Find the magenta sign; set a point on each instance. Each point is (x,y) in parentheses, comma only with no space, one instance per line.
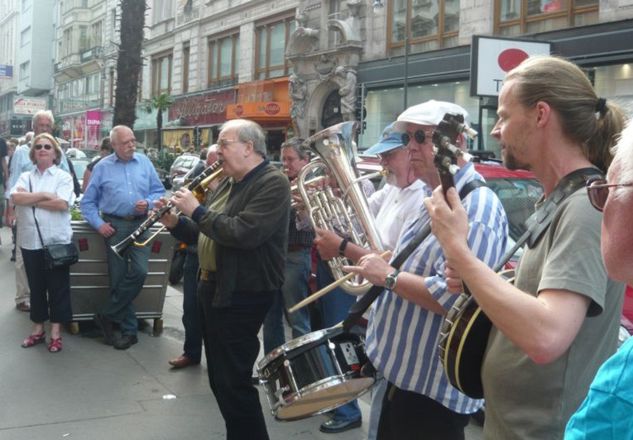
(209,108)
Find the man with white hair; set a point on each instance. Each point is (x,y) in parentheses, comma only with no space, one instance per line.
(404,324)
(242,236)
(606,412)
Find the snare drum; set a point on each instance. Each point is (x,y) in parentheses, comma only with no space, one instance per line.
(314,373)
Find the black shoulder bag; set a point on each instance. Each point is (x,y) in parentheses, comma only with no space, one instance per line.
(56,255)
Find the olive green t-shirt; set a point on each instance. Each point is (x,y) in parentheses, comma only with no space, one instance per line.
(206,245)
(525,400)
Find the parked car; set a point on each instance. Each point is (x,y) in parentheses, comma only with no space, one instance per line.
(79,164)
(181,166)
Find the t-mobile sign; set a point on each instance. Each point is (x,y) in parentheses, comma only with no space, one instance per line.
(492,58)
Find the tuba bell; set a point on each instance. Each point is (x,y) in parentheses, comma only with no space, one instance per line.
(343,210)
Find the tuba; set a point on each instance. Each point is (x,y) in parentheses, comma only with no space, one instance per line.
(343,210)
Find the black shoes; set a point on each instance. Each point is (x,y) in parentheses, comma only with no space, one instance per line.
(334,426)
(125,342)
(105,324)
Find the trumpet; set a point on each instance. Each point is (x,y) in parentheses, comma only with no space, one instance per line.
(212,172)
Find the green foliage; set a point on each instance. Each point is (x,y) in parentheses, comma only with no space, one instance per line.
(164,159)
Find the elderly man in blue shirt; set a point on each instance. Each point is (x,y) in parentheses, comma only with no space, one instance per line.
(122,189)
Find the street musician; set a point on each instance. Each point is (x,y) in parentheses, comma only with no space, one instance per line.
(242,236)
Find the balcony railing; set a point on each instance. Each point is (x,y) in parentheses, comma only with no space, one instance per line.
(91,54)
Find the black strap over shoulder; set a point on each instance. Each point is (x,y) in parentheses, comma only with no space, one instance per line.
(538,222)
(359,307)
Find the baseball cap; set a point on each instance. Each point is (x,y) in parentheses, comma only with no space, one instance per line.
(428,113)
(389,140)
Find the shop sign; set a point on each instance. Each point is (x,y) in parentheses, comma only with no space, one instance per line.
(19,126)
(6,71)
(272,110)
(492,58)
(28,106)
(209,108)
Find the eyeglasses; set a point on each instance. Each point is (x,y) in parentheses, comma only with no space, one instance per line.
(418,135)
(40,146)
(223,143)
(598,191)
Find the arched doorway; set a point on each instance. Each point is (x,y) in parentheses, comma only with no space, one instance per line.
(331,114)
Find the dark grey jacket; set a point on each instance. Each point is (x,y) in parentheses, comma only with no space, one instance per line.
(251,233)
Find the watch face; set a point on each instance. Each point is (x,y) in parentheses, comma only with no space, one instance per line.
(390,281)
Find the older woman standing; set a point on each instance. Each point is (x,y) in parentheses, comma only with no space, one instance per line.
(45,195)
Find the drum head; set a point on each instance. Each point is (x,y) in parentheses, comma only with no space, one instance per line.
(324,397)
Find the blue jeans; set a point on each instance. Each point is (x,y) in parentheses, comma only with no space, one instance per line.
(190,310)
(294,289)
(127,276)
(334,309)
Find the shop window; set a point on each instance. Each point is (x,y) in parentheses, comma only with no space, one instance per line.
(517,17)
(271,48)
(223,60)
(430,24)
(161,74)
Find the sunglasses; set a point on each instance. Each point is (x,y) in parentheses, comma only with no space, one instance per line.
(418,135)
(40,146)
(598,191)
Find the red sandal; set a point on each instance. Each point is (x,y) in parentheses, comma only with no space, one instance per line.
(55,345)
(34,340)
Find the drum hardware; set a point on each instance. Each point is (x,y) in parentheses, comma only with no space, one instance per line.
(314,373)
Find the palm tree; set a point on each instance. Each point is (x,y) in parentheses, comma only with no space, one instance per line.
(161,103)
(129,62)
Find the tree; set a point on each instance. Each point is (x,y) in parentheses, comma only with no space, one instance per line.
(161,103)
(129,62)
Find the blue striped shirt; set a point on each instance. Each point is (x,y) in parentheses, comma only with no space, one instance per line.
(402,337)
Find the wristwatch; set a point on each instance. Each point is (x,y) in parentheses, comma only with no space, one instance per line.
(392,279)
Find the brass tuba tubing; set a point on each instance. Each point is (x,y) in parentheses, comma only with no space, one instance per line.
(213,171)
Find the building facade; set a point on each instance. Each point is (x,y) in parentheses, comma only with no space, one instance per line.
(26,36)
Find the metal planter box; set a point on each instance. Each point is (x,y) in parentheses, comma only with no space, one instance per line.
(89,283)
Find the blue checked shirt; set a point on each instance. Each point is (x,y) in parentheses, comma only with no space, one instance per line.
(402,337)
(115,186)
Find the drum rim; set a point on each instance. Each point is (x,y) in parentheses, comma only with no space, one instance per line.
(323,384)
(295,343)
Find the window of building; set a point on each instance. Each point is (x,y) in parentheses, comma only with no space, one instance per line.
(97,33)
(517,17)
(223,62)
(271,48)
(68,34)
(162,10)
(25,37)
(429,24)
(84,42)
(185,67)
(383,104)
(25,70)
(161,74)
